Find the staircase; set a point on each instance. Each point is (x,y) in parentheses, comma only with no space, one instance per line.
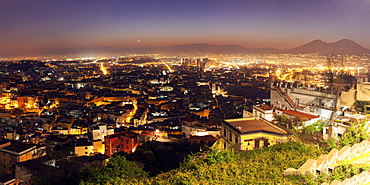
(287,98)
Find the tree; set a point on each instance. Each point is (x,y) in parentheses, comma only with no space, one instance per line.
(360,105)
(117,169)
(354,134)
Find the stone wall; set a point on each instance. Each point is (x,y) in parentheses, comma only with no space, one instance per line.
(347,99)
(363,92)
(362,178)
(326,162)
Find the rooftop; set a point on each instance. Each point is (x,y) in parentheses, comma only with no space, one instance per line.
(245,125)
(83,142)
(301,115)
(18,147)
(126,133)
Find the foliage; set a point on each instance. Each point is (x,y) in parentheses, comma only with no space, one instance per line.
(118,170)
(286,122)
(316,127)
(354,134)
(340,173)
(262,166)
(360,105)
(212,156)
(60,151)
(160,157)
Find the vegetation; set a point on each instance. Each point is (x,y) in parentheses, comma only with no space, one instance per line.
(316,127)
(263,166)
(354,134)
(117,171)
(286,122)
(311,134)
(156,157)
(340,173)
(360,105)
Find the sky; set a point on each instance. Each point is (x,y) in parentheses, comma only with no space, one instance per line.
(37,26)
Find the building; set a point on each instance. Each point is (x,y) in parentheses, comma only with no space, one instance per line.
(125,141)
(251,133)
(264,111)
(99,131)
(306,119)
(26,170)
(84,147)
(9,180)
(203,140)
(316,101)
(13,152)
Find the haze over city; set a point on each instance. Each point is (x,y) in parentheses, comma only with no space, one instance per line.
(39,27)
(184,92)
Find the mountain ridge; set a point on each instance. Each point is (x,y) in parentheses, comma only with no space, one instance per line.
(340,47)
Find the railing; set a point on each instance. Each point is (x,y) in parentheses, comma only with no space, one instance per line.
(287,98)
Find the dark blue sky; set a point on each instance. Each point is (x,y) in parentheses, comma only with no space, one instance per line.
(34,26)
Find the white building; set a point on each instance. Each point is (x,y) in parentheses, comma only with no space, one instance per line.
(99,131)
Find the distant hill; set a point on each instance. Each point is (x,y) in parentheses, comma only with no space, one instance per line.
(198,48)
(341,47)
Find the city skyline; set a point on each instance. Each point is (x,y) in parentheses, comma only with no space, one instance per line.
(31,28)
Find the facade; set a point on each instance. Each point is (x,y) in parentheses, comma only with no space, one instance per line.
(307,119)
(84,147)
(263,111)
(12,152)
(311,101)
(24,171)
(208,139)
(251,133)
(9,180)
(99,131)
(125,141)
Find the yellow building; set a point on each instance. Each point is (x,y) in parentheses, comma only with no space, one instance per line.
(78,130)
(12,152)
(251,133)
(84,147)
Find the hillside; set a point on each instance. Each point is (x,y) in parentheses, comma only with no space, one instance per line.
(264,166)
(341,47)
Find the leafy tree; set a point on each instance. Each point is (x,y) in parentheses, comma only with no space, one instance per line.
(354,134)
(315,127)
(118,169)
(360,105)
(262,166)
(340,173)
(284,121)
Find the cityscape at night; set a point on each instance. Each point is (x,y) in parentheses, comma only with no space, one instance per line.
(184,92)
